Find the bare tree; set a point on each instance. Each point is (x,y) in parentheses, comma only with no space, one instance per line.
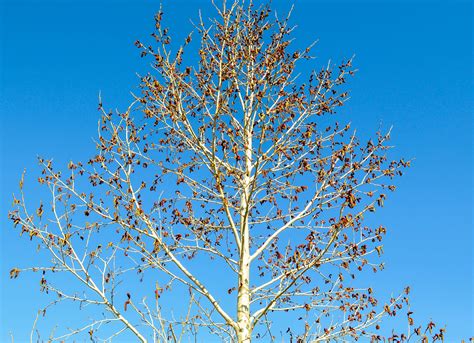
(226,185)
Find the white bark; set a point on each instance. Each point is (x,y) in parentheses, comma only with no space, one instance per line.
(244,333)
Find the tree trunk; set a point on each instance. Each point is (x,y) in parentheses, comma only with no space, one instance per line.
(244,332)
(244,326)
(243,303)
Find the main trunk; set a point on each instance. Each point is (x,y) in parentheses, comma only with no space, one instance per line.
(244,333)
(243,300)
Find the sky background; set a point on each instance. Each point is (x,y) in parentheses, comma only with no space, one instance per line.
(415,73)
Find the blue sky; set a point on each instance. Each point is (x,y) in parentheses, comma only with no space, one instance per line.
(415,73)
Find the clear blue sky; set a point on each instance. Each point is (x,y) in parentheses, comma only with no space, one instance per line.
(415,72)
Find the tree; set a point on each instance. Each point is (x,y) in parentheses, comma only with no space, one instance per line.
(227,162)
